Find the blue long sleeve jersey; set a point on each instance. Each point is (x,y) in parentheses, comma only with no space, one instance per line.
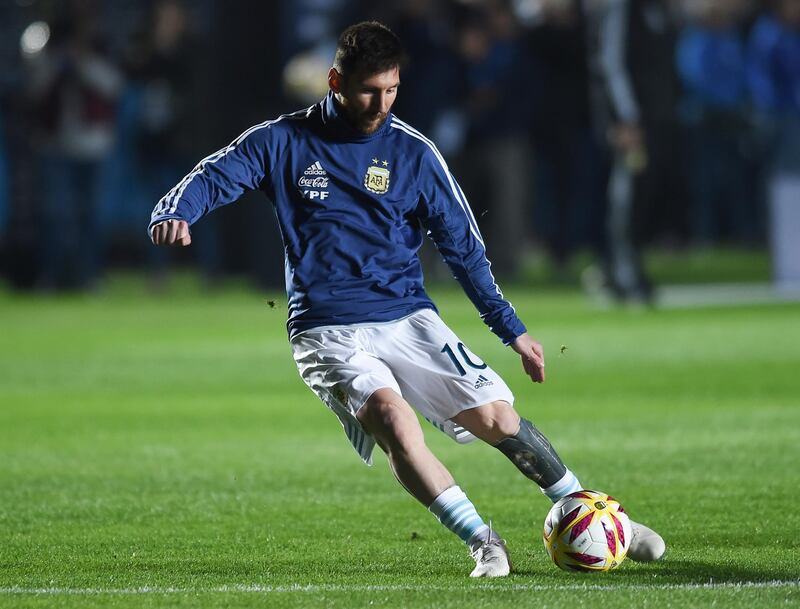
(352,209)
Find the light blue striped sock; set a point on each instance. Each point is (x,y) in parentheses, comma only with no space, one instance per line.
(455,511)
(568,484)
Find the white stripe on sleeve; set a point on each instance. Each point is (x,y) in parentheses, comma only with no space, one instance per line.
(168,204)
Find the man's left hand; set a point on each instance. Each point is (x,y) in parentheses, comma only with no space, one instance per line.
(532,356)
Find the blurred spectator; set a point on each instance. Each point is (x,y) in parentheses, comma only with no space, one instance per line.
(74,86)
(493,167)
(632,48)
(567,179)
(4,187)
(307,24)
(774,78)
(431,73)
(711,64)
(166,84)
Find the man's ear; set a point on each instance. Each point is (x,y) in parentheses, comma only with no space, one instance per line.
(334,80)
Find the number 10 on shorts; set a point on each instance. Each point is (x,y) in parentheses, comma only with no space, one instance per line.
(462,350)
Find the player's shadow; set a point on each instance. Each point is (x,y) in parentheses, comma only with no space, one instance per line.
(702,572)
(677,571)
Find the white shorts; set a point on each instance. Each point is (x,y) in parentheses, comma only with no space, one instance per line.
(417,356)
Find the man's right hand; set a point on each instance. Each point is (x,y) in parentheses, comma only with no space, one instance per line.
(172,232)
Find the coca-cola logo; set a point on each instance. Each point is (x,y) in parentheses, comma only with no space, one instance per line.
(313,182)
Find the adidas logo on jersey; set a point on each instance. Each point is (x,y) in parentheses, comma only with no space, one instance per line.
(315,170)
(482,382)
(314,177)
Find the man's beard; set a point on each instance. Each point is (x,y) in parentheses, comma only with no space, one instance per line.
(367,122)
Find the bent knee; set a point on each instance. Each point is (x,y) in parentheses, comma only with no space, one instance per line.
(500,417)
(491,422)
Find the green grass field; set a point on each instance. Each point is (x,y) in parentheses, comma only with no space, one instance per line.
(160,452)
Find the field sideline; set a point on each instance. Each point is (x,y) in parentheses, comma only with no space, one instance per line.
(163,452)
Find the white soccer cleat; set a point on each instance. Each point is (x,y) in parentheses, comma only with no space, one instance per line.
(646,544)
(491,558)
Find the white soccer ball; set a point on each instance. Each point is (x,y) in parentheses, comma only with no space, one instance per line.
(587,531)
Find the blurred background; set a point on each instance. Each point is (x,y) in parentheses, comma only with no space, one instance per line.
(592,137)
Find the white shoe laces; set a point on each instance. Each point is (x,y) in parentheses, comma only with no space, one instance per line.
(491,549)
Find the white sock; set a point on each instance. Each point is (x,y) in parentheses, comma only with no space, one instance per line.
(568,484)
(456,512)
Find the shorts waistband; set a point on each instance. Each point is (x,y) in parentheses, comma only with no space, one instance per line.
(366,324)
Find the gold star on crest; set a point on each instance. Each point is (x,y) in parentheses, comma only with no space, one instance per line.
(385,163)
(375,161)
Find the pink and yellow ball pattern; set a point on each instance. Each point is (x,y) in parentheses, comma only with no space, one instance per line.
(587,531)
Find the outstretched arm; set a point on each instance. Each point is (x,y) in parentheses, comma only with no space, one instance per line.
(444,210)
(217,180)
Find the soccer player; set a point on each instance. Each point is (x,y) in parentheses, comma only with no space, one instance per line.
(354,189)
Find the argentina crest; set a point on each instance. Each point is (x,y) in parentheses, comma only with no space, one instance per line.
(377,177)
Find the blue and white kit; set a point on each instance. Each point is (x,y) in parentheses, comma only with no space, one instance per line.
(353,210)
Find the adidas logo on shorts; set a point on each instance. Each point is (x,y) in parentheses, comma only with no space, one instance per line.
(482,382)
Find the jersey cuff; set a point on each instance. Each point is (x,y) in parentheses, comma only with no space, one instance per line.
(510,333)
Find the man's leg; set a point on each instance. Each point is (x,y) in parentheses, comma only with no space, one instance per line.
(499,424)
(392,422)
(394,425)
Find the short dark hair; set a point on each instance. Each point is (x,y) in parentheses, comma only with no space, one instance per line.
(368,47)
